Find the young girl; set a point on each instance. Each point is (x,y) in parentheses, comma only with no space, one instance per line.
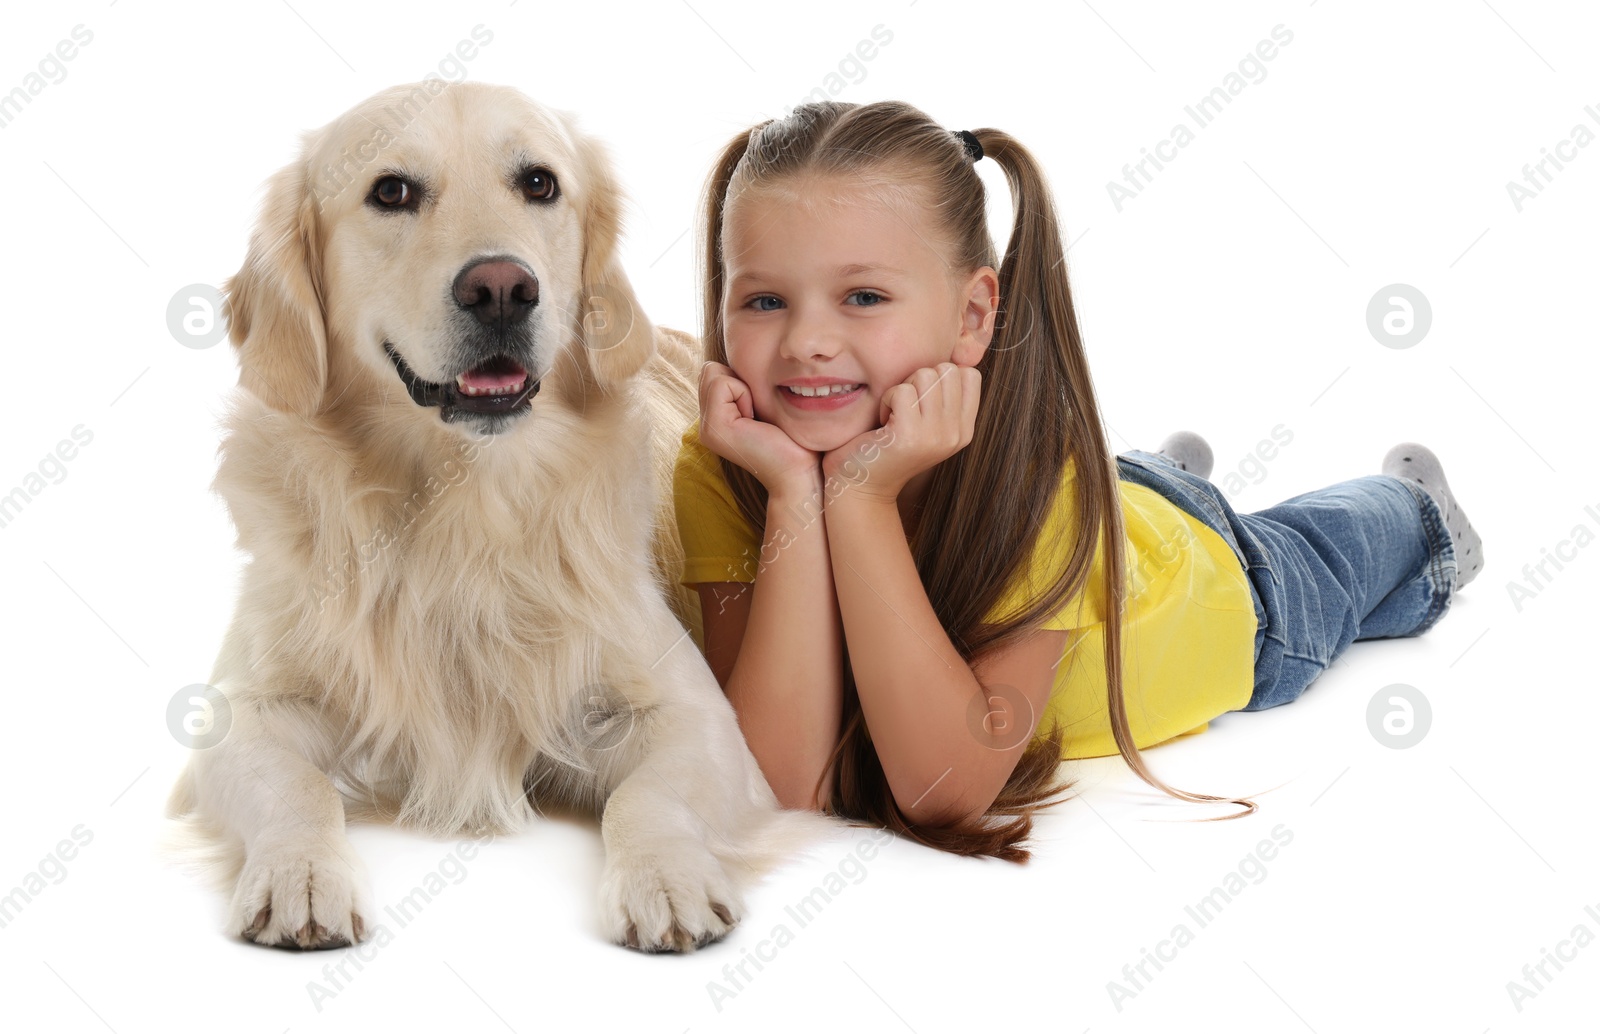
(896,501)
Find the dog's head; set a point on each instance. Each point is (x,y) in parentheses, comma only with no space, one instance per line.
(447,242)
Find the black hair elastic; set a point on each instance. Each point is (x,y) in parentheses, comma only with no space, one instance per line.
(970,142)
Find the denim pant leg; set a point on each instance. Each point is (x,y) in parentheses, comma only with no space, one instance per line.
(1367,558)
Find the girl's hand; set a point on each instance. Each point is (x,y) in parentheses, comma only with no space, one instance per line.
(728,427)
(929,418)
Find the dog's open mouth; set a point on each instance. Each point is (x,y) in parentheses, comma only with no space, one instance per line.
(499,384)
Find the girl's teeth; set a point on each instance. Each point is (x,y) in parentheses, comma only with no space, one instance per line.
(832,389)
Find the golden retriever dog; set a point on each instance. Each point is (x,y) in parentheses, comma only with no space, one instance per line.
(450,467)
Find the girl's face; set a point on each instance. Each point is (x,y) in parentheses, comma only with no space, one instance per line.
(832,284)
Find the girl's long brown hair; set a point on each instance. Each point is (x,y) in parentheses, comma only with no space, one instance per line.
(985,505)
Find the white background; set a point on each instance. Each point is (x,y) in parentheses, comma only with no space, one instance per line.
(1229,296)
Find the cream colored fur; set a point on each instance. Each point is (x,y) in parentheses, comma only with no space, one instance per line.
(434,620)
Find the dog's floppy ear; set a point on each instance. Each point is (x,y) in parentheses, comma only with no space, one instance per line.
(274,303)
(616,334)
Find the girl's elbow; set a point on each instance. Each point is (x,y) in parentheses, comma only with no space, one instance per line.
(943,799)
(936,814)
(929,807)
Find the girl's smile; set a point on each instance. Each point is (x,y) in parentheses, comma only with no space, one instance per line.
(824,394)
(836,292)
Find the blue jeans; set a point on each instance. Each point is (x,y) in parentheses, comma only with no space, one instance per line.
(1368,558)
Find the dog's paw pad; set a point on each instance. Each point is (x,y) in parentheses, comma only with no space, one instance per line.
(257,924)
(301,898)
(676,900)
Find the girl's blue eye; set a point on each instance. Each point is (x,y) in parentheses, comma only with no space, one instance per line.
(868,297)
(759,303)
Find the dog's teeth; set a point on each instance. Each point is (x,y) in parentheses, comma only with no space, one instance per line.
(467,389)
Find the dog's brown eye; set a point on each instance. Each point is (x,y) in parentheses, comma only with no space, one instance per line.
(392,192)
(539,185)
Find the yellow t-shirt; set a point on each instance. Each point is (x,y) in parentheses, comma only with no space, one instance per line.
(1188,625)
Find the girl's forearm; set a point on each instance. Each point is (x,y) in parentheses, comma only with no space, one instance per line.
(787,686)
(915,688)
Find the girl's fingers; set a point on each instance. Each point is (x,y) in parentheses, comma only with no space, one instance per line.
(971,390)
(950,398)
(900,400)
(941,402)
(710,372)
(724,398)
(719,388)
(710,390)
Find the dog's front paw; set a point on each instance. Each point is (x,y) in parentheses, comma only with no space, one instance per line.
(304,895)
(676,897)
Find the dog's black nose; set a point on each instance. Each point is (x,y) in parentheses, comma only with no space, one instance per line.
(497,291)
